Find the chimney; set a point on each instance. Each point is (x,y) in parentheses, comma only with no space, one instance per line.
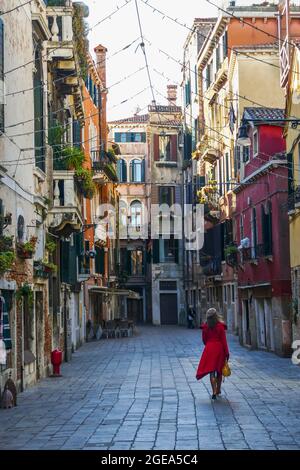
(101,63)
(172,94)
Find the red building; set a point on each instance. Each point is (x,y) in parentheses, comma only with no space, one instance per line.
(262,233)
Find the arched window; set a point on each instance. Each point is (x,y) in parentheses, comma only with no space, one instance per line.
(136,214)
(137,171)
(122,171)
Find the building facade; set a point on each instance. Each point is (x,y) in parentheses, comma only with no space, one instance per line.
(262,236)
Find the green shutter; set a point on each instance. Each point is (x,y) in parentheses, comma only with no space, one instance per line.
(155,251)
(128,262)
(99,261)
(64,261)
(176,244)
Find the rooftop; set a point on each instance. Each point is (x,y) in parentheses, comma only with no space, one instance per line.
(134,119)
(261,114)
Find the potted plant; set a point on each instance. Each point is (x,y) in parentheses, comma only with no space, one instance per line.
(231,255)
(25,291)
(6,243)
(7,259)
(85,182)
(74,158)
(26,250)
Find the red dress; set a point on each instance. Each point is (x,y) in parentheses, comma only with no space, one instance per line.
(215,352)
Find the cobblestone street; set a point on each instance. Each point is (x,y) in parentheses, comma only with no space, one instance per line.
(141,393)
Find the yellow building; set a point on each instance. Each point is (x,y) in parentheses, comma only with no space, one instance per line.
(293,148)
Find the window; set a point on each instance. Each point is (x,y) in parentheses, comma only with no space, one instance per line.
(39,138)
(127,137)
(168,285)
(225,45)
(1,76)
(218,59)
(168,249)
(165,147)
(167,195)
(228,176)
(225,294)
(266,224)
(242,227)
(232,293)
(137,171)
(122,171)
(137,265)
(136,215)
(255,143)
(253,233)
(208,75)
(245,153)
(165,250)
(188,93)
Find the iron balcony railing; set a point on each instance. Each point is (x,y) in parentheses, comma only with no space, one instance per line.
(293,198)
(261,250)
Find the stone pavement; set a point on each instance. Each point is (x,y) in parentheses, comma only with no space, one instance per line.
(141,393)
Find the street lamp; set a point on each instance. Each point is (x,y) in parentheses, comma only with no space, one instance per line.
(243,137)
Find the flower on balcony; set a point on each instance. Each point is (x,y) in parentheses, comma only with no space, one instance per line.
(85,181)
(43,268)
(26,250)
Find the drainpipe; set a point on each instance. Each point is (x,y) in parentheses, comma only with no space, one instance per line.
(65,324)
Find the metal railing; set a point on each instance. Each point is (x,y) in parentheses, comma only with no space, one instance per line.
(293,198)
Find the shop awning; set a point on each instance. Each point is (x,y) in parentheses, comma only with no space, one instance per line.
(106,290)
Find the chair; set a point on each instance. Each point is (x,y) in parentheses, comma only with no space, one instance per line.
(125,328)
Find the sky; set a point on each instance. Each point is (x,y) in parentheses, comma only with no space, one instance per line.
(159,33)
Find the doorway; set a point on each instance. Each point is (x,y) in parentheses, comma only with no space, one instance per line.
(135,310)
(39,335)
(168,309)
(246,322)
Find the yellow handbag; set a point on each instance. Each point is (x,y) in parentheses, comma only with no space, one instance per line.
(226,371)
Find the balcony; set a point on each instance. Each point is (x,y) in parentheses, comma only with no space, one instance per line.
(212,267)
(294,199)
(101,233)
(59,15)
(103,167)
(252,254)
(65,215)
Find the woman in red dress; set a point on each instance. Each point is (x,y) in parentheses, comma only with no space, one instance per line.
(215,352)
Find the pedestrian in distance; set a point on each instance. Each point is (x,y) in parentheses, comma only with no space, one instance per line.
(191,315)
(215,353)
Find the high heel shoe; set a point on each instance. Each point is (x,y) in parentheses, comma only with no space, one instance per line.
(214,397)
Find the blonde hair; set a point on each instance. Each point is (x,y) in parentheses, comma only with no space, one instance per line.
(212,317)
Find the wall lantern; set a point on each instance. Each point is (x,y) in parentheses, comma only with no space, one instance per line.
(243,137)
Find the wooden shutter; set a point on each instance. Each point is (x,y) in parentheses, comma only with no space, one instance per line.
(174,148)
(155,244)
(99,261)
(64,261)
(156,147)
(176,246)
(128,263)
(143,171)
(76,134)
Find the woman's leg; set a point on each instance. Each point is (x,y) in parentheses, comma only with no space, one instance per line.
(219,384)
(213,382)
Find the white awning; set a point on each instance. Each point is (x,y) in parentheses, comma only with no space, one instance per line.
(106,290)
